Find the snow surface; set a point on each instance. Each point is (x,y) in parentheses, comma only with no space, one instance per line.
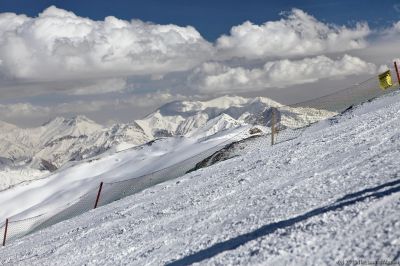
(11,177)
(68,184)
(332,194)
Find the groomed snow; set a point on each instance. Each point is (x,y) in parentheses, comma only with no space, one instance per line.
(332,194)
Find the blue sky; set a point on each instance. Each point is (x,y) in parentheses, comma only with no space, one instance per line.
(216,17)
(119,60)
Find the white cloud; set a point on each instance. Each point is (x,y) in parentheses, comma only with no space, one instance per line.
(216,77)
(58,52)
(58,45)
(388,34)
(396,26)
(298,34)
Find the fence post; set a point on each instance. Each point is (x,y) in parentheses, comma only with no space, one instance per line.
(98,195)
(273,127)
(397,72)
(5,233)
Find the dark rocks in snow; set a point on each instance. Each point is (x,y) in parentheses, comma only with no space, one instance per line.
(229,151)
(47,166)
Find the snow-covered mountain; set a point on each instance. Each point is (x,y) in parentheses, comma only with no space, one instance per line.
(183,117)
(329,197)
(61,140)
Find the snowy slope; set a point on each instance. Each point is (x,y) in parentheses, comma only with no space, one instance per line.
(72,181)
(33,153)
(331,195)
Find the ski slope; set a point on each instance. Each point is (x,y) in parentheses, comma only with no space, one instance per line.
(331,195)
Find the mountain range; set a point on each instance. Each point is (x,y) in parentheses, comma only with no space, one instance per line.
(53,144)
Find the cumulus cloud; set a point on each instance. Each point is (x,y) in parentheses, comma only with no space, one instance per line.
(394,31)
(396,26)
(58,45)
(298,34)
(388,34)
(216,77)
(58,52)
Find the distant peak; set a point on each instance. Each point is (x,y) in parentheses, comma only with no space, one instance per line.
(70,121)
(58,119)
(80,118)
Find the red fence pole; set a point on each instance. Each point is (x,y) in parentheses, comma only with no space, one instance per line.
(98,195)
(5,233)
(397,71)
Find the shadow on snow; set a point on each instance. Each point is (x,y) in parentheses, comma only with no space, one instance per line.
(233,243)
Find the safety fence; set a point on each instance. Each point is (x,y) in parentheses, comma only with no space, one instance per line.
(283,123)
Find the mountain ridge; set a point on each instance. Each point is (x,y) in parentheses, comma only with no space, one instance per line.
(61,140)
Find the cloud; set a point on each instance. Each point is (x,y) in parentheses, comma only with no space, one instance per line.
(37,114)
(58,45)
(388,34)
(298,34)
(216,77)
(396,7)
(101,86)
(121,70)
(127,102)
(22,109)
(396,26)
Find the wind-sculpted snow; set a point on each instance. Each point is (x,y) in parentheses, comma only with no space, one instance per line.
(330,196)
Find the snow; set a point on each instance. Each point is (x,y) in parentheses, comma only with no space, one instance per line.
(11,177)
(333,194)
(57,142)
(67,185)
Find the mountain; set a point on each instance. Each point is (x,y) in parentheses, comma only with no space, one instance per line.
(182,117)
(61,140)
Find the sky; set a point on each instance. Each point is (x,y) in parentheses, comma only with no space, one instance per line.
(115,61)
